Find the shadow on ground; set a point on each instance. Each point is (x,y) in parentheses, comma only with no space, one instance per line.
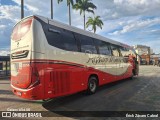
(103,100)
(7,92)
(19,100)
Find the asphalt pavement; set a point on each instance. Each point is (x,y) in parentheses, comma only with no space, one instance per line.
(142,93)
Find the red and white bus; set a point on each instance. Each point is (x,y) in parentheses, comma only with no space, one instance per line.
(50,59)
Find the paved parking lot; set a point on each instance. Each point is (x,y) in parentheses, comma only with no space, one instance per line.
(139,94)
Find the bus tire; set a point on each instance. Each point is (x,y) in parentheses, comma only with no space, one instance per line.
(92,85)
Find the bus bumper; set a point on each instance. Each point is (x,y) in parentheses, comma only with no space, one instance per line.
(31,94)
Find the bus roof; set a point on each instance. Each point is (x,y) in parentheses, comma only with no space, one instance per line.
(80,31)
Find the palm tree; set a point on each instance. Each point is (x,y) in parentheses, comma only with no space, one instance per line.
(84,6)
(22,9)
(94,22)
(51,9)
(69,3)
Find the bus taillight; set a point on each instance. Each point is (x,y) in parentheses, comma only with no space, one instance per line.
(21,29)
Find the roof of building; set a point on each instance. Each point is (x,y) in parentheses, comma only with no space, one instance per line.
(141,46)
(155,55)
(4,58)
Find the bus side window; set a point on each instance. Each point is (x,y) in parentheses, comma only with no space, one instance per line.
(1,66)
(87,44)
(69,42)
(103,47)
(124,51)
(61,38)
(54,38)
(115,50)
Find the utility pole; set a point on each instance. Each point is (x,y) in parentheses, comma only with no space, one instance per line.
(51,9)
(22,9)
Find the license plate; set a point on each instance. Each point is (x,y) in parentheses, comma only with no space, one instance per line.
(19,93)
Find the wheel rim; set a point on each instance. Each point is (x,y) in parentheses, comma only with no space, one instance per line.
(92,86)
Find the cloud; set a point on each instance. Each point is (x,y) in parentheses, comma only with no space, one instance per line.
(36,6)
(10,12)
(9,15)
(154,45)
(136,25)
(137,7)
(4,53)
(41,7)
(114,9)
(123,19)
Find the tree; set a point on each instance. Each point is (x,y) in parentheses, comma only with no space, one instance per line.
(69,3)
(94,22)
(22,9)
(84,6)
(51,9)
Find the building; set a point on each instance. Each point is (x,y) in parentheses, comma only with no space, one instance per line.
(4,65)
(155,58)
(144,53)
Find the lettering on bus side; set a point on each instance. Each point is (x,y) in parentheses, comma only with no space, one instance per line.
(104,60)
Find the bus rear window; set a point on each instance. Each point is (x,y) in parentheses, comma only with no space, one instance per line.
(21,29)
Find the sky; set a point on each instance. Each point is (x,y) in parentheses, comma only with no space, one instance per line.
(128,21)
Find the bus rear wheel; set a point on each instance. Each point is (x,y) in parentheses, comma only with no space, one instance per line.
(92,85)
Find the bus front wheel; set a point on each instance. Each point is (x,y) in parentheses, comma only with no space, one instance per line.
(92,85)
